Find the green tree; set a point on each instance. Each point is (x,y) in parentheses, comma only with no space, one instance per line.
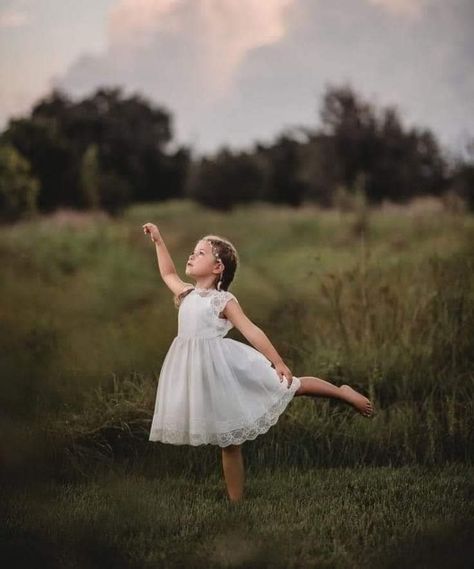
(52,160)
(284,183)
(90,177)
(115,193)
(100,188)
(462,175)
(397,163)
(130,137)
(225,180)
(19,189)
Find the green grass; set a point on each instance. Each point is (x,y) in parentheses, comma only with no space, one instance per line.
(86,322)
(330,518)
(383,301)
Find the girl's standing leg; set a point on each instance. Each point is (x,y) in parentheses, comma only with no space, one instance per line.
(233,466)
(314,386)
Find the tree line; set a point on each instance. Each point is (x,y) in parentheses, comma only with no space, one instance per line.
(107,151)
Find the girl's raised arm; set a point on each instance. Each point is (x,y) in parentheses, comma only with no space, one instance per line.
(165,262)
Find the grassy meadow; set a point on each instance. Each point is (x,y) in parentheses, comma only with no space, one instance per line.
(382,299)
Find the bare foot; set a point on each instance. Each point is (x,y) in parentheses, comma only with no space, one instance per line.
(357,400)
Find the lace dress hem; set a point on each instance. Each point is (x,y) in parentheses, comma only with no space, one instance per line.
(234,437)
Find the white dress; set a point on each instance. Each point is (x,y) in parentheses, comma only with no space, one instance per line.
(211,389)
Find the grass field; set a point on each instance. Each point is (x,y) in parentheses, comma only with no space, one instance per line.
(380,299)
(348,517)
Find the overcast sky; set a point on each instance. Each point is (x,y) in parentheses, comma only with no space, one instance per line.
(236,71)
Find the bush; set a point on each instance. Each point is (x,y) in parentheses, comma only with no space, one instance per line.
(18,188)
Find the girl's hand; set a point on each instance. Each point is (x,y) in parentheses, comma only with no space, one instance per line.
(152,230)
(284,371)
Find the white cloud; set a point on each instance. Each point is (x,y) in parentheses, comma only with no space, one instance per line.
(231,71)
(183,54)
(11,18)
(410,8)
(221,32)
(133,22)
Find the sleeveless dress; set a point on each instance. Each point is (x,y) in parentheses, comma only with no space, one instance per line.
(211,389)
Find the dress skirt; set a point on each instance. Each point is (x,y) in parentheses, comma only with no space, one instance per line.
(217,391)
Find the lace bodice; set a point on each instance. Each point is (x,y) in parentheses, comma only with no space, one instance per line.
(199,311)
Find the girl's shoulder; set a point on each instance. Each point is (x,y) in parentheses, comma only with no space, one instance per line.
(228,295)
(220,299)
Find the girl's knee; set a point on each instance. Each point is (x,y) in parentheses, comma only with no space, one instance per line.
(301,389)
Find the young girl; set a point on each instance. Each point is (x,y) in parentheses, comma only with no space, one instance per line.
(216,390)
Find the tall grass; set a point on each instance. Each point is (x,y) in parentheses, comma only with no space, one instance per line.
(384,302)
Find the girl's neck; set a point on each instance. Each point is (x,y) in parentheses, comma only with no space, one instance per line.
(198,287)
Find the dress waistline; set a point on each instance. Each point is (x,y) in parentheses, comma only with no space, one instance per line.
(196,337)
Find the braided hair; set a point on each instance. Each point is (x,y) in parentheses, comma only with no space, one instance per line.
(224,251)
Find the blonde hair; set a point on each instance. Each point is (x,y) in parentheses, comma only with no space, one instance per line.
(225,251)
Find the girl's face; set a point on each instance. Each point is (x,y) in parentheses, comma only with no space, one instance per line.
(201,261)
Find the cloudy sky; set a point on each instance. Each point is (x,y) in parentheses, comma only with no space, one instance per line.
(236,71)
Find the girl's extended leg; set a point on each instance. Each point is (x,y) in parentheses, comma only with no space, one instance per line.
(233,466)
(314,386)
